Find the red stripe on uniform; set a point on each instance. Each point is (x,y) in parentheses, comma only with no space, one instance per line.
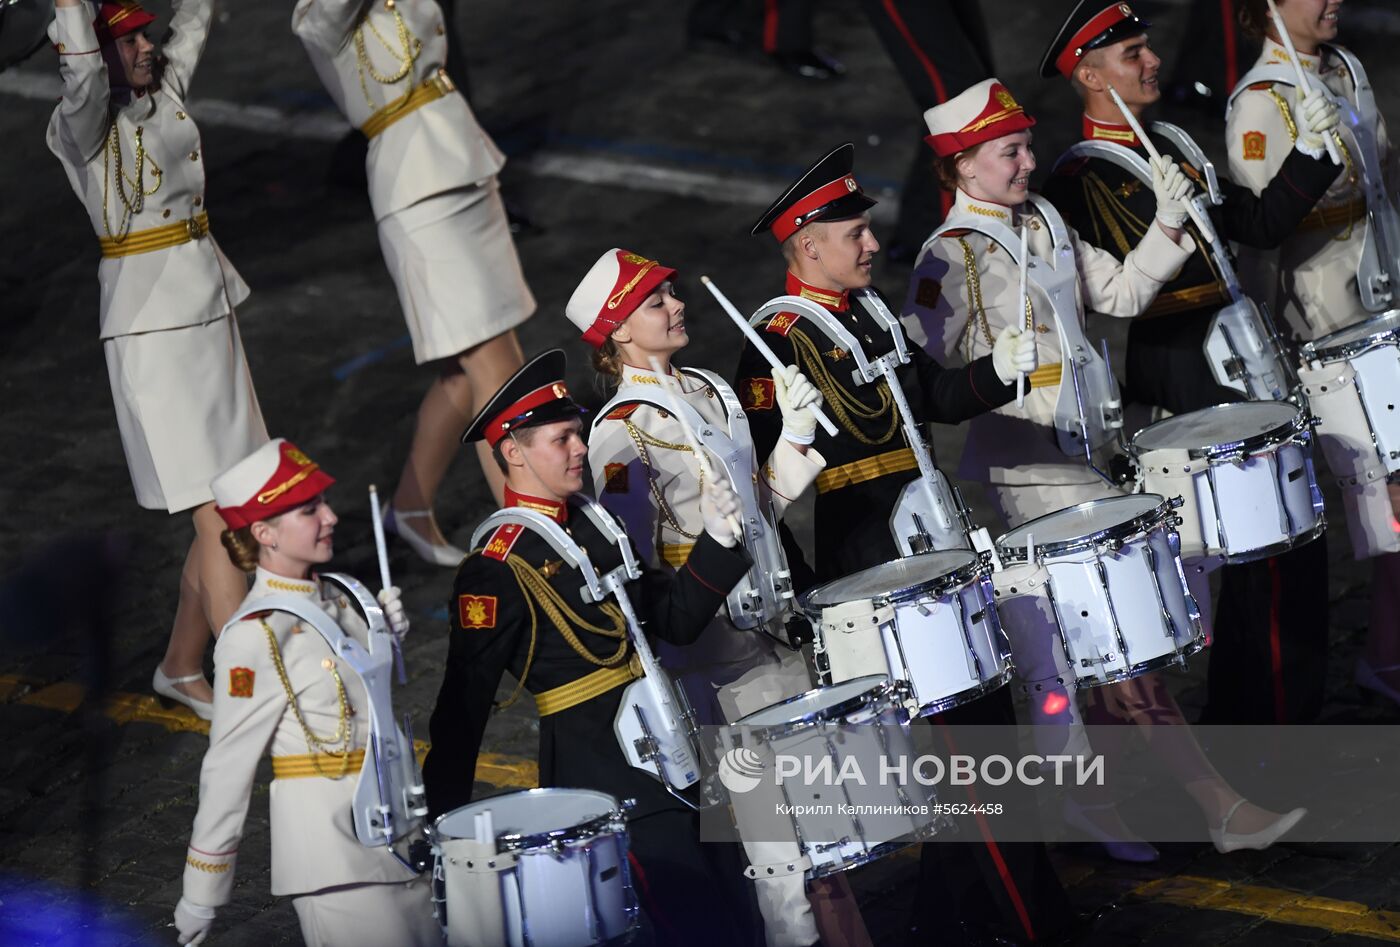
(1007,881)
(924,61)
(770,26)
(658,919)
(1275,645)
(1227,22)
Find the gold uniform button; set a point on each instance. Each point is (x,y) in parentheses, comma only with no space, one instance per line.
(1042,329)
(992,247)
(61,47)
(198,201)
(327,663)
(165,213)
(181,116)
(1035,223)
(194,155)
(439,30)
(388,4)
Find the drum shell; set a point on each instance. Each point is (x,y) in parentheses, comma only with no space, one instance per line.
(947,645)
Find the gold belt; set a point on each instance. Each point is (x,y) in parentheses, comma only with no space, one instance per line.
(895,461)
(433,88)
(1046,376)
(156,238)
(675,554)
(589,686)
(306,765)
(1183,300)
(1331,218)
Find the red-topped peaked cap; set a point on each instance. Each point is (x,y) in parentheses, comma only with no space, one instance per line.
(612,288)
(116,18)
(983,112)
(826,191)
(1092,24)
(534,395)
(273,479)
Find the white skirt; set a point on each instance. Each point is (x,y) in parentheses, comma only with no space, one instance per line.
(454,263)
(186,409)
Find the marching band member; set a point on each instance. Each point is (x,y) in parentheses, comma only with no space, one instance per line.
(823,226)
(628,311)
(1313,278)
(822,223)
(964,295)
(518,608)
(185,404)
(442,227)
(1102,45)
(280,686)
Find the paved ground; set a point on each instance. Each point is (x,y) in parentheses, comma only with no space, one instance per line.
(619,135)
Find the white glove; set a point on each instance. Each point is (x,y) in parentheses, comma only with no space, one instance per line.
(394,612)
(719,504)
(1171,188)
(1013,353)
(796,397)
(193,921)
(1316,115)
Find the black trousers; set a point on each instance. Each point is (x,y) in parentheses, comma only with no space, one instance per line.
(1268,663)
(979,885)
(940,48)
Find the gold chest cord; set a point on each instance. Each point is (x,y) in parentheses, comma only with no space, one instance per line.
(663,507)
(337,746)
(974,301)
(409,47)
(132,205)
(1287,115)
(844,405)
(537,591)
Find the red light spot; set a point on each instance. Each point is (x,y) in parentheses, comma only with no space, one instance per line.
(1394,525)
(1055,703)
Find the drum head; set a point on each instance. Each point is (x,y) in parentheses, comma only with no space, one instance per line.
(890,580)
(530,812)
(1385,324)
(821,703)
(1064,527)
(1220,426)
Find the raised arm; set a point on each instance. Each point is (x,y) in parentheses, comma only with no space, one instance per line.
(327,24)
(184,42)
(1257,136)
(78,128)
(1125,288)
(487,616)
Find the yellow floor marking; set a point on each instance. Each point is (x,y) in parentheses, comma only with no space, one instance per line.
(1273,904)
(496,769)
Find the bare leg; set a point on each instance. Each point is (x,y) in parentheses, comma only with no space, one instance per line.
(447,409)
(837,915)
(211,589)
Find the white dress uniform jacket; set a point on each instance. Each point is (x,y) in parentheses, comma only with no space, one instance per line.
(645,475)
(964,292)
(97,137)
(436,148)
(1311,278)
(257,662)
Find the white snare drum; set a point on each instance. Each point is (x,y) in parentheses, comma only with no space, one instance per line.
(1113,579)
(1352,380)
(850,727)
(1245,474)
(538,868)
(929,620)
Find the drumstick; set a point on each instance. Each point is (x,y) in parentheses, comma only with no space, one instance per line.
(1152,151)
(1021,296)
(1304,82)
(706,470)
(384,582)
(760,346)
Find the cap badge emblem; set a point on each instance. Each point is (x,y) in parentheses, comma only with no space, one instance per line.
(851,184)
(1005,99)
(1124,9)
(635,259)
(560,391)
(298,458)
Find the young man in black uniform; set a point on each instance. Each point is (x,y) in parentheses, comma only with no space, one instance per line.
(517,608)
(823,225)
(1267,663)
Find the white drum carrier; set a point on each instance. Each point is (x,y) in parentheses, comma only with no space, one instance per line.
(1109,575)
(539,868)
(925,620)
(836,823)
(1352,380)
(1245,474)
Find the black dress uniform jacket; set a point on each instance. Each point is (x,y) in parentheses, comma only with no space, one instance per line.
(852,521)
(1112,209)
(491,624)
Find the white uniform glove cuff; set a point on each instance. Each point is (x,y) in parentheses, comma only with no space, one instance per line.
(1173,220)
(1315,151)
(809,438)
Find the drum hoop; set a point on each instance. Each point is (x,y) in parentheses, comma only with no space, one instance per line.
(960,577)
(612,821)
(1140,524)
(1295,428)
(886,689)
(1317,349)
